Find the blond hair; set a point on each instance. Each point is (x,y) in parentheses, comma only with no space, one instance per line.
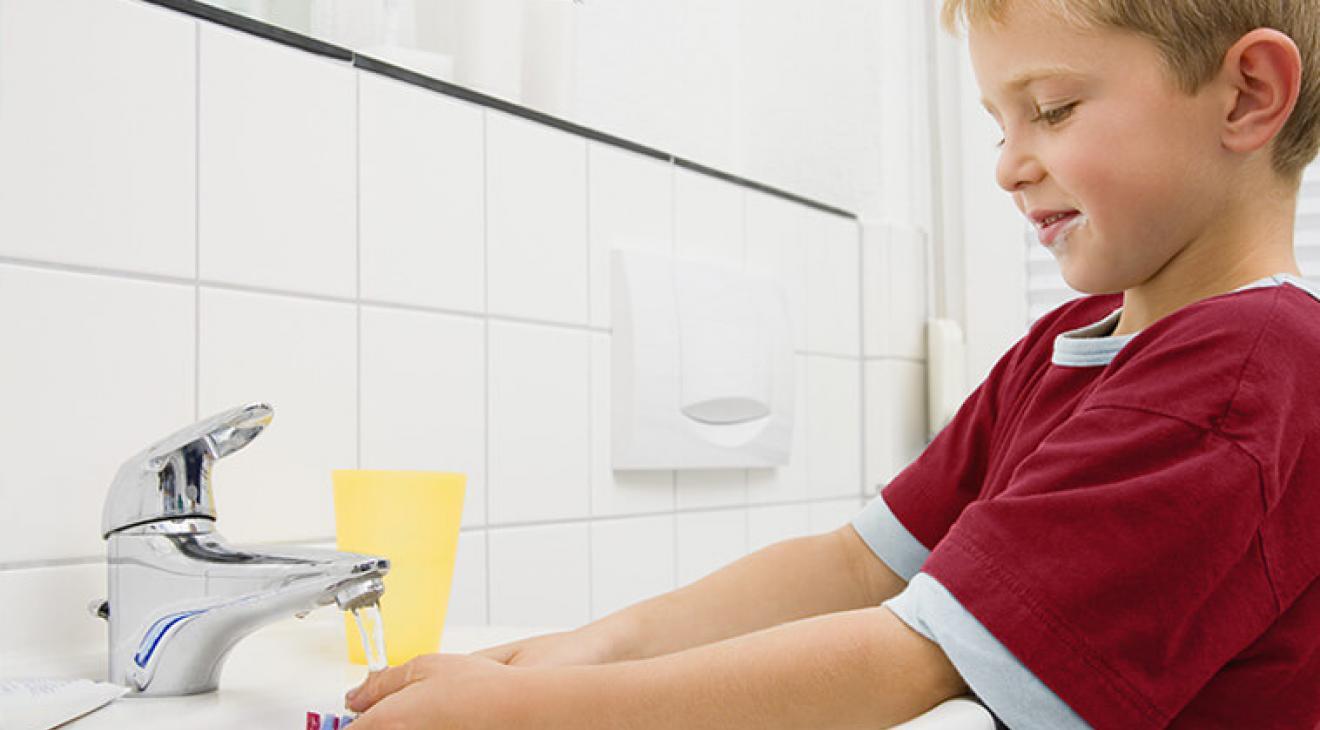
(1193,36)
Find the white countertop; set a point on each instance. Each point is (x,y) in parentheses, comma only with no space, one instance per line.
(276,675)
(271,679)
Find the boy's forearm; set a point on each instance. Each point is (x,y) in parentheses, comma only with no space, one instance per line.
(783,582)
(855,669)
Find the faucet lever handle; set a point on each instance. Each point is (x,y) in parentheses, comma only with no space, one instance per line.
(171,479)
(221,434)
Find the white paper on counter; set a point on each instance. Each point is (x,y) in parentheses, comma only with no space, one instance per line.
(42,704)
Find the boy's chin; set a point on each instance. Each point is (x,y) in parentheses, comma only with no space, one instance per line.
(1091,283)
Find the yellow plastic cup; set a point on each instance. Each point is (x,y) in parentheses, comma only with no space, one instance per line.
(412,518)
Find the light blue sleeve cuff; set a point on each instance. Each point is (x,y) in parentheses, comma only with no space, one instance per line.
(1002,683)
(889,539)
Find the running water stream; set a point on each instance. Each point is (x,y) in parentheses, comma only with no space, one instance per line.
(372,631)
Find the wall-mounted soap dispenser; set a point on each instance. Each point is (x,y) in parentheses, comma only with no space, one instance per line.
(702,366)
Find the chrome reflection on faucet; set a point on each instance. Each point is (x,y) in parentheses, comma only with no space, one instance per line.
(180,597)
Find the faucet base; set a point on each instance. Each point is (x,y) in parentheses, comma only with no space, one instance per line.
(181,599)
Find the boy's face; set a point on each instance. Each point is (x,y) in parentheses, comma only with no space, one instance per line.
(1103,136)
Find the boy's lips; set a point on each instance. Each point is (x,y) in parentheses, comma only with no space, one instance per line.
(1050,224)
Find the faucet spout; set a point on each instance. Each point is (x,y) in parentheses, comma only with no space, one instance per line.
(181,598)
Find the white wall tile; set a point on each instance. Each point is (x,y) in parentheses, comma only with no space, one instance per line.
(631,560)
(788,482)
(301,357)
(46,613)
(538,423)
(536,221)
(467,596)
(629,492)
(708,219)
(539,576)
(702,488)
(277,166)
(631,207)
(707,541)
(833,307)
(618,492)
(834,422)
(97,135)
(95,369)
(832,514)
(424,397)
(97,132)
(769,525)
(895,418)
(775,247)
(894,290)
(422,196)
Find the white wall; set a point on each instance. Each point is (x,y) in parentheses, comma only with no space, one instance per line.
(812,97)
(793,94)
(826,99)
(192,218)
(980,250)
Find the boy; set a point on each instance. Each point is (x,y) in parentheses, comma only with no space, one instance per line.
(1121,527)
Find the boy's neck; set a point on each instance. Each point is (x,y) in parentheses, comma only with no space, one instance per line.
(1237,249)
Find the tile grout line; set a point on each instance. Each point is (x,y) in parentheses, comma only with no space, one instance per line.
(197,221)
(485,334)
(286,293)
(746,477)
(194,281)
(673,245)
(861,349)
(357,250)
(485,529)
(804,312)
(591,365)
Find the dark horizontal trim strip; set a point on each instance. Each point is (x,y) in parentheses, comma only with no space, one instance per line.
(375,65)
(199,9)
(727,177)
(256,27)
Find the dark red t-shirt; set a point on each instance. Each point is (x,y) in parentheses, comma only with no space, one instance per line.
(1144,535)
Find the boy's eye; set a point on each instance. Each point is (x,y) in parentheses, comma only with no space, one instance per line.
(1055,115)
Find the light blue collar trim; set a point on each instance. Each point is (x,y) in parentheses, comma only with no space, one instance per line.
(1093,346)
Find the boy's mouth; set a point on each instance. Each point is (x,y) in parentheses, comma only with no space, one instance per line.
(1050,224)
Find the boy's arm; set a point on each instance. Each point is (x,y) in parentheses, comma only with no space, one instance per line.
(863,668)
(855,669)
(786,581)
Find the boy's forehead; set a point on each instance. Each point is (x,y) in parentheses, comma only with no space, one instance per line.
(1030,44)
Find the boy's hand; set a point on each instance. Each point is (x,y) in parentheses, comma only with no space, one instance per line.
(436,692)
(564,648)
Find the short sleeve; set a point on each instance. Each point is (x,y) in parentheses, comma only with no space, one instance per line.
(916,508)
(1122,565)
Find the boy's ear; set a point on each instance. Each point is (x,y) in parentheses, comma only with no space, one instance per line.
(1263,70)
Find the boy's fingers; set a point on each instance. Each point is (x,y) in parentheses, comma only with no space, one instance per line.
(382,714)
(379,685)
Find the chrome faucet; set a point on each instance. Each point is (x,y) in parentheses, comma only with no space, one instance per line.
(179,597)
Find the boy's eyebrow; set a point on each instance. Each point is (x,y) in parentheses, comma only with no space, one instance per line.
(1031,76)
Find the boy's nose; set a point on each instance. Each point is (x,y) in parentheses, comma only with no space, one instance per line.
(1017,168)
